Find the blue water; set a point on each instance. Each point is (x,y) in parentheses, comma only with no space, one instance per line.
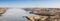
(14,15)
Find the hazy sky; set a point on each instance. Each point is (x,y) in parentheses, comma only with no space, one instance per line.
(30,3)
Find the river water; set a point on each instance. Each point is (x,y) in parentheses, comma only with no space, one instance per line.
(14,15)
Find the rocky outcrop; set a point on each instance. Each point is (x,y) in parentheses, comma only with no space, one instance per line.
(2,11)
(45,15)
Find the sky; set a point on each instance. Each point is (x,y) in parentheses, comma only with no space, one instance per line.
(30,3)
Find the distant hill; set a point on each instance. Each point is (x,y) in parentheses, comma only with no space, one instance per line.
(30,9)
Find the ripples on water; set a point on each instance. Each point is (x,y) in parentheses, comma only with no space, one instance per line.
(14,15)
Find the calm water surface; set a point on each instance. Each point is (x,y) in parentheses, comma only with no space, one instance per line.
(14,15)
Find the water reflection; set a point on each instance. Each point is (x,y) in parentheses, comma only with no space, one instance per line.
(14,15)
